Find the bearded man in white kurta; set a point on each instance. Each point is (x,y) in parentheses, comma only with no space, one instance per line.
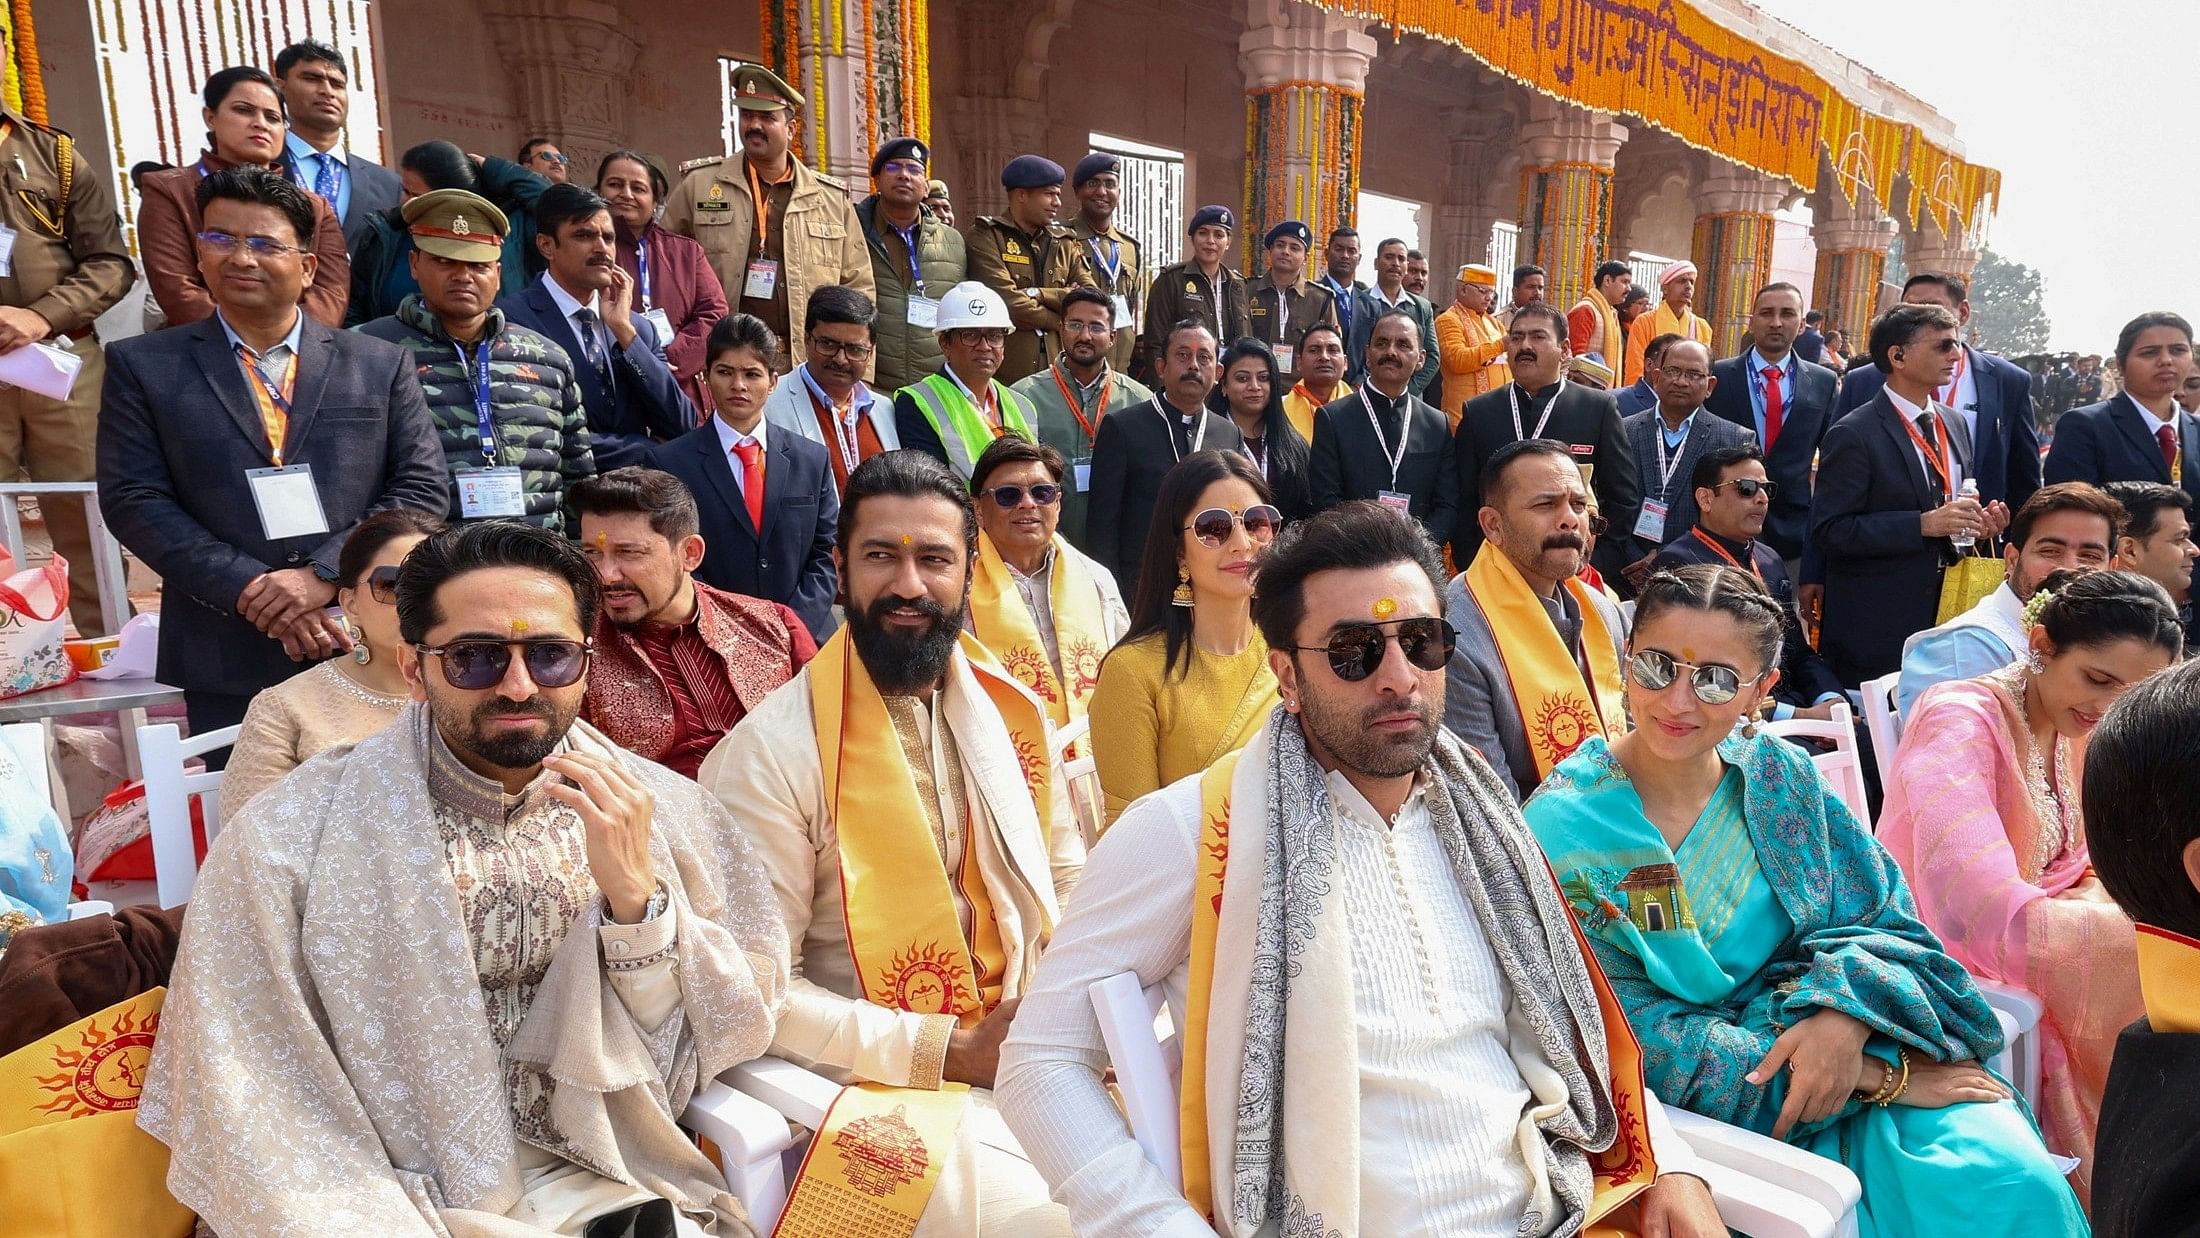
(458,979)
(917,831)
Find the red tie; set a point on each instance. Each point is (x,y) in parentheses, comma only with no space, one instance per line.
(751,455)
(2168,439)
(1774,405)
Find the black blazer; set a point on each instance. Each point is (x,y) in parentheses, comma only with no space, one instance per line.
(2148,1156)
(1349,462)
(373,188)
(1804,418)
(644,404)
(1705,434)
(2005,446)
(1882,572)
(178,427)
(1136,447)
(790,560)
(1804,676)
(2110,441)
(1587,421)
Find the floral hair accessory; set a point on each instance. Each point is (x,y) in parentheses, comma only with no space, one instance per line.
(2035,607)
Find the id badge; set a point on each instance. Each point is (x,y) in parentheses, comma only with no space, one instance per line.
(7,251)
(923,312)
(487,493)
(662,322)
(1122,310)
(1287,358)
(1081,473)
(1650,525)
(1396,500)
(289,504)
(763,279)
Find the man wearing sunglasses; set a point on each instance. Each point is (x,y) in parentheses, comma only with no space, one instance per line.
(1352,846)
(1732,498)
(1537,671)
(912,813)
(484,947)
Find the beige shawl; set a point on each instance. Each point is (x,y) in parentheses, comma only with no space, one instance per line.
(325,1065)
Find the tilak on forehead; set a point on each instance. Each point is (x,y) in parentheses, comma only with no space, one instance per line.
(519,625)
(1384,608)
(906,539)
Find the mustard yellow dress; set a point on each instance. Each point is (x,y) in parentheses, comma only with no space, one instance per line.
(1151,729)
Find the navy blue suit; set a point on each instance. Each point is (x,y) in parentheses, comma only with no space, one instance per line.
(790,560)
(2005,448)
(644,402)
(1635,397)
(1804,676)
(2112,441)
(1807,412)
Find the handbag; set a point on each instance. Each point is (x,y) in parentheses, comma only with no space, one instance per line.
(34,616)
(1967,581)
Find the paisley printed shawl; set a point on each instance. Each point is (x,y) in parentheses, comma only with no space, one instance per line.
(1858,946)
(325,1063)
(1281,1055)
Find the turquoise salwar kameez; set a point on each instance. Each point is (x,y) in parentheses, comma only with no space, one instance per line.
(1776,904)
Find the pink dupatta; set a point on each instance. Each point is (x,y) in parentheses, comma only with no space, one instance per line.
(2000,871)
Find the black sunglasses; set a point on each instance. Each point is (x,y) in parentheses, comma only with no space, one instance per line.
(1750,487)
(472,665)
(1044,494)
(382,584)
(1212,526)
(1713,684)
(1357,650)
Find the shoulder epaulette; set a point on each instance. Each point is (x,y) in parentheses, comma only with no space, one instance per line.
(697,164)
(834,181)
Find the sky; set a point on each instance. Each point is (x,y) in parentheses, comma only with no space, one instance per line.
(2086,110)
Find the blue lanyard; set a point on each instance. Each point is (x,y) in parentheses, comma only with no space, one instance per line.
(1112,265)
(641,267)
(908,237)
(484,423)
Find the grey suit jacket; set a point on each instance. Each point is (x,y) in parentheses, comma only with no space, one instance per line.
(178,427)
(1706,433)
(373,188)
(1478,700)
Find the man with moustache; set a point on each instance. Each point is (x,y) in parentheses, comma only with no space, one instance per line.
(678,663)
(1070,398)
(1116,259)
(1417,273)
(1528,284)
(1666,441)
(1384,443)
(1389,293)
(1470,342)
(1280,306)
(483,948)
(1537,668)
(1540,403)
(1352,923)
(916,256)
(1593,325)
(1136,447)
(917,833)
(1788,403)
(1322,365)
(316,94)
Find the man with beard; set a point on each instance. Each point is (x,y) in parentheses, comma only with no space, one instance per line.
(359,930)
(1281,305)
(917,832)
(677,663)
(1541,403)
(1537,669)
(1136,448)
(1355,926)
(585,303)
(1382,442)
(1070,398)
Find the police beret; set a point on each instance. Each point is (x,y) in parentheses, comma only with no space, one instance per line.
(899,148)
(1217,215)
(1031,172)
(1291,228)
(1093,165)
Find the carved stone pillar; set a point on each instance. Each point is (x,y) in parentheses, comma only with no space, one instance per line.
(1733,249)
(571,61)
(1566,193)
(1305,79)
(1852,241)
(998,115)
(1471,209)
(1931,251)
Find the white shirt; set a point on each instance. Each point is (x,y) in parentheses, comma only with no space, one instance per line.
(1910,413)
(1376,291)
(1962,402)
(2155,425)
(730,438)
(568,307)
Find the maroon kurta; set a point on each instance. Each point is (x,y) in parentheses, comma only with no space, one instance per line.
(682,284)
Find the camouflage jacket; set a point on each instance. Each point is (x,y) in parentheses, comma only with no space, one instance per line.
(541,427)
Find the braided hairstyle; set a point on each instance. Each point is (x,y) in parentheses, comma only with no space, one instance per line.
(1718,589)
(2092,608)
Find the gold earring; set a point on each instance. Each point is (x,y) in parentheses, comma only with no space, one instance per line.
(1183,595)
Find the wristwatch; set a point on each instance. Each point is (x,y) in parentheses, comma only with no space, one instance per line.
(323,571)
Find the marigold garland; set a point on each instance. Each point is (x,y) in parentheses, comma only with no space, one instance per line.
(1301,159)
(870,78)
(1733,250)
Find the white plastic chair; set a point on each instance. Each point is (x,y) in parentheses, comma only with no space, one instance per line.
(1764,1188)
(761,1114)
(169,788)
(1883,722)
(1843,768)
(2020,1013)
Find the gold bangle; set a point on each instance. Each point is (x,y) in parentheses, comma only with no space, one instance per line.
(1886,1085)
(1900,1088)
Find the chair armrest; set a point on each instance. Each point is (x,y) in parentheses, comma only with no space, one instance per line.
(802,1096)
(1828,1184)
(744,1128)
(2018,1004)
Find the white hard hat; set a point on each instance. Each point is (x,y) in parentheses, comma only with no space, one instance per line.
(971,304)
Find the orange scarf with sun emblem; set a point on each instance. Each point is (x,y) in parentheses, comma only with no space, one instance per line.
(999,619)
(1560,706)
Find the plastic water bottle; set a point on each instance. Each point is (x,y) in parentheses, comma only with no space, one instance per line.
(1964,541)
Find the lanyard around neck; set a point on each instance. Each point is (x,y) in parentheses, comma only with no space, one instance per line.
(1199,420)
(1405,429)
(1513,392)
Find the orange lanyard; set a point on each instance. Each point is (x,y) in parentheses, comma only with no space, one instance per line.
(274,405)
(1963,362)
(1933,451)
(1069,397)
(763,202)
(1721,551)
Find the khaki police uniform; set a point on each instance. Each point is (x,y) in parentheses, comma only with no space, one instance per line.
(1277,317)
(1114,253)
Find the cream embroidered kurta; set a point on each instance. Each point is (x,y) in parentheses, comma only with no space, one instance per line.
(296,720)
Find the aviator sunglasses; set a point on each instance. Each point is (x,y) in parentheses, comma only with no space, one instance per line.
(1712,684)
(1356,650)
(1750,487)
(1212,526)
(472,665)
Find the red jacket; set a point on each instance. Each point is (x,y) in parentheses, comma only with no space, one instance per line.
(761,645)
(681,284)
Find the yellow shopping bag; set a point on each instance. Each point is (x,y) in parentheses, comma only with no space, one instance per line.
(1967,581)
